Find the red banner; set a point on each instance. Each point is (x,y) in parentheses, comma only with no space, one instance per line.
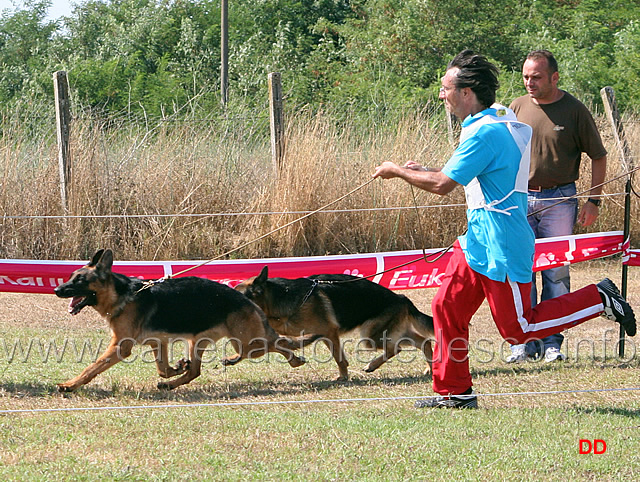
(630,257)
(397,270)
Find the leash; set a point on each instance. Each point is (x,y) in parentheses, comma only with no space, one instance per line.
(314,283)
(624,174)
(148,284)
(438,254)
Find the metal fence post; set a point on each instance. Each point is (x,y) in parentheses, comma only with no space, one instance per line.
(611,108)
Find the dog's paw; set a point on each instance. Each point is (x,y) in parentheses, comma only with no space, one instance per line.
(182,366)
(297,361)
(63,388)
(230,360)
(164,386)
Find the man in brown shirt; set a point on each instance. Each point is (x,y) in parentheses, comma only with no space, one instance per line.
(563,129)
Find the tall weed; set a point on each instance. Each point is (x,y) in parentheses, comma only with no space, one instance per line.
(198,188)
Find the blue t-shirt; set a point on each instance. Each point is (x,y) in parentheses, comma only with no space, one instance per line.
(496,244)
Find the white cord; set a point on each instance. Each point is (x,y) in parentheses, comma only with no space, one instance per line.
(298,402)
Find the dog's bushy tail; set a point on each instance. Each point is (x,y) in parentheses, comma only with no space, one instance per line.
(425,321)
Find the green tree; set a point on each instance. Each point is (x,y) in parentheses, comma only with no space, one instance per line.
(25,39)
(626,71)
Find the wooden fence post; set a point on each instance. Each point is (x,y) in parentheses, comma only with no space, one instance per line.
(611,108)
(63,126)
(224,52)
(276,119)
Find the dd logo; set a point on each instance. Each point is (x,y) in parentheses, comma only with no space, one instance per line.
(597,446)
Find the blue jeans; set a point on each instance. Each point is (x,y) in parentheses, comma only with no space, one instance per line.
(557,221)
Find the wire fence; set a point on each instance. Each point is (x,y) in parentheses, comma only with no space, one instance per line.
(186,185)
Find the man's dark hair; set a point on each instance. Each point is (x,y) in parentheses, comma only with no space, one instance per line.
(477,73)
(544,54)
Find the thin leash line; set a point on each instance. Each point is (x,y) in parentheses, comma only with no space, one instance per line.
(279,228)
(235,214)
(301,402)
(258,213)
(438,254)
(148,284)
(624,174)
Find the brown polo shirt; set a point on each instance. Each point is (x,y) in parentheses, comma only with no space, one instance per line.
(562,131)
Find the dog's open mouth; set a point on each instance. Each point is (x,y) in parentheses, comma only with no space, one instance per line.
(78,302)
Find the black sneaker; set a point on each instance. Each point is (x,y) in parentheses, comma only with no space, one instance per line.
(616,307)
(451,401)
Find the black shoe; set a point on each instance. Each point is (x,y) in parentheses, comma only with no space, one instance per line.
(616,307)
(452,401)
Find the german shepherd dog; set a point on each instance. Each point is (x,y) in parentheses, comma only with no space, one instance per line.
(193,309)
(334,304)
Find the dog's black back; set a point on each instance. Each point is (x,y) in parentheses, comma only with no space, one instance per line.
(352,300)
(187,305)
(356,300)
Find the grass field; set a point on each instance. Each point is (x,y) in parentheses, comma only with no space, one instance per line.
(262,420)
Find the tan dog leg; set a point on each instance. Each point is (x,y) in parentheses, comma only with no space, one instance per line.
(391,351)
(283,346)
(115,352)
(162,361)
(425,345)
(332,341)
(196,351)
(428,353)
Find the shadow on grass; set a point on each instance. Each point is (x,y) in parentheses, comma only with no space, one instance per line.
(195,392)
(625,412)
(38,390)
(26,389)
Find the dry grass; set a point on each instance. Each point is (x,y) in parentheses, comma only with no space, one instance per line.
(126,170)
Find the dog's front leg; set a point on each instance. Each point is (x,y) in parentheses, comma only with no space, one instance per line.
(116,351)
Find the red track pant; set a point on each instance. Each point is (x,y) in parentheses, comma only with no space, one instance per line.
(461,294)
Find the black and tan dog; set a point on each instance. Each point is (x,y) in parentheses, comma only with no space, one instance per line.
(190,309)
(334,304)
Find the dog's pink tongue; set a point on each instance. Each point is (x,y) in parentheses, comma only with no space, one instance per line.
(74,301)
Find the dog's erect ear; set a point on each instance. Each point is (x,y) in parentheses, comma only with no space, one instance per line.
(106,261)
(96,257)
(262,277)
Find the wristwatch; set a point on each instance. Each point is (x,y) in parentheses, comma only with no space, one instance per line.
(597,202)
